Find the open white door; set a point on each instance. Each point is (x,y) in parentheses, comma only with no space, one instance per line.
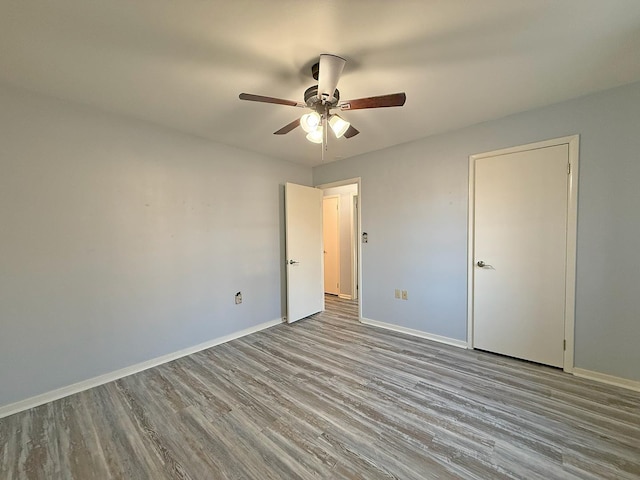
(303,224)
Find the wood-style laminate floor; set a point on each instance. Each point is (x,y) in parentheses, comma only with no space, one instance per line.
(330,398)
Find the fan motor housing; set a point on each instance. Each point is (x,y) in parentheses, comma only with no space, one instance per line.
(312,100)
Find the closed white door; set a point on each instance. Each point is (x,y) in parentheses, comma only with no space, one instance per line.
(520,243)
(303,225)
(331,237)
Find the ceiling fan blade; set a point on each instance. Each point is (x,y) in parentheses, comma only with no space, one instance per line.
(351,132)
(391,100)
(288,127)
(259,98)
(330,69)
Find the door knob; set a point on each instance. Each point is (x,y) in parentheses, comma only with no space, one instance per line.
(481,264)
(292,262)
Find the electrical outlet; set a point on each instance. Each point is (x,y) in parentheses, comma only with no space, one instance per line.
(404,295)
(397,293)
(238,298)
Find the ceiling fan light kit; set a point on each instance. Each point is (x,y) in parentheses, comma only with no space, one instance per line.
(310,121)
(324,97)
(316,136)
(339,125)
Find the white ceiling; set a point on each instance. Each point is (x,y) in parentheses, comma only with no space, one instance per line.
(182,63)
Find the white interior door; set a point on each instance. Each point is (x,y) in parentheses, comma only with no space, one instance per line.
(520,243)
(331,237)
(303,225)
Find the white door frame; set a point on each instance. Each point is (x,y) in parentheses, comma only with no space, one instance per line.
(355,245)
(573,142)
(341,183)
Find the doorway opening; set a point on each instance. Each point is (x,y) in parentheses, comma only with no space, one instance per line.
(341,235)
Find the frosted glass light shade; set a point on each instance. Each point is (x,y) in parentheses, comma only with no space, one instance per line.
(338,125)
(316,135)
(310,121)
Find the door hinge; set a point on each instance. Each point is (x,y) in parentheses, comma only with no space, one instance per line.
(564,345)
(569,169)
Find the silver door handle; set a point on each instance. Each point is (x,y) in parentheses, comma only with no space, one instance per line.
(481,264)
(292,262)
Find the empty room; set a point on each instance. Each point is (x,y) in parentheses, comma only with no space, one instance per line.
(333,239)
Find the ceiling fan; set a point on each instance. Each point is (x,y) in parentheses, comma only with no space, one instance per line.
(322,99)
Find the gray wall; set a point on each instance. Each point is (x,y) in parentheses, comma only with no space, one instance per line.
(121,241)
(414,208)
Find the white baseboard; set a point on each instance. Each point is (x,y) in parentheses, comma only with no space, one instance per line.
(609,379)
(344,296)
(58,393)
(416,333)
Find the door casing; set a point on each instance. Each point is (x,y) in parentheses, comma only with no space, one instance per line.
(355,246)
(573,142)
